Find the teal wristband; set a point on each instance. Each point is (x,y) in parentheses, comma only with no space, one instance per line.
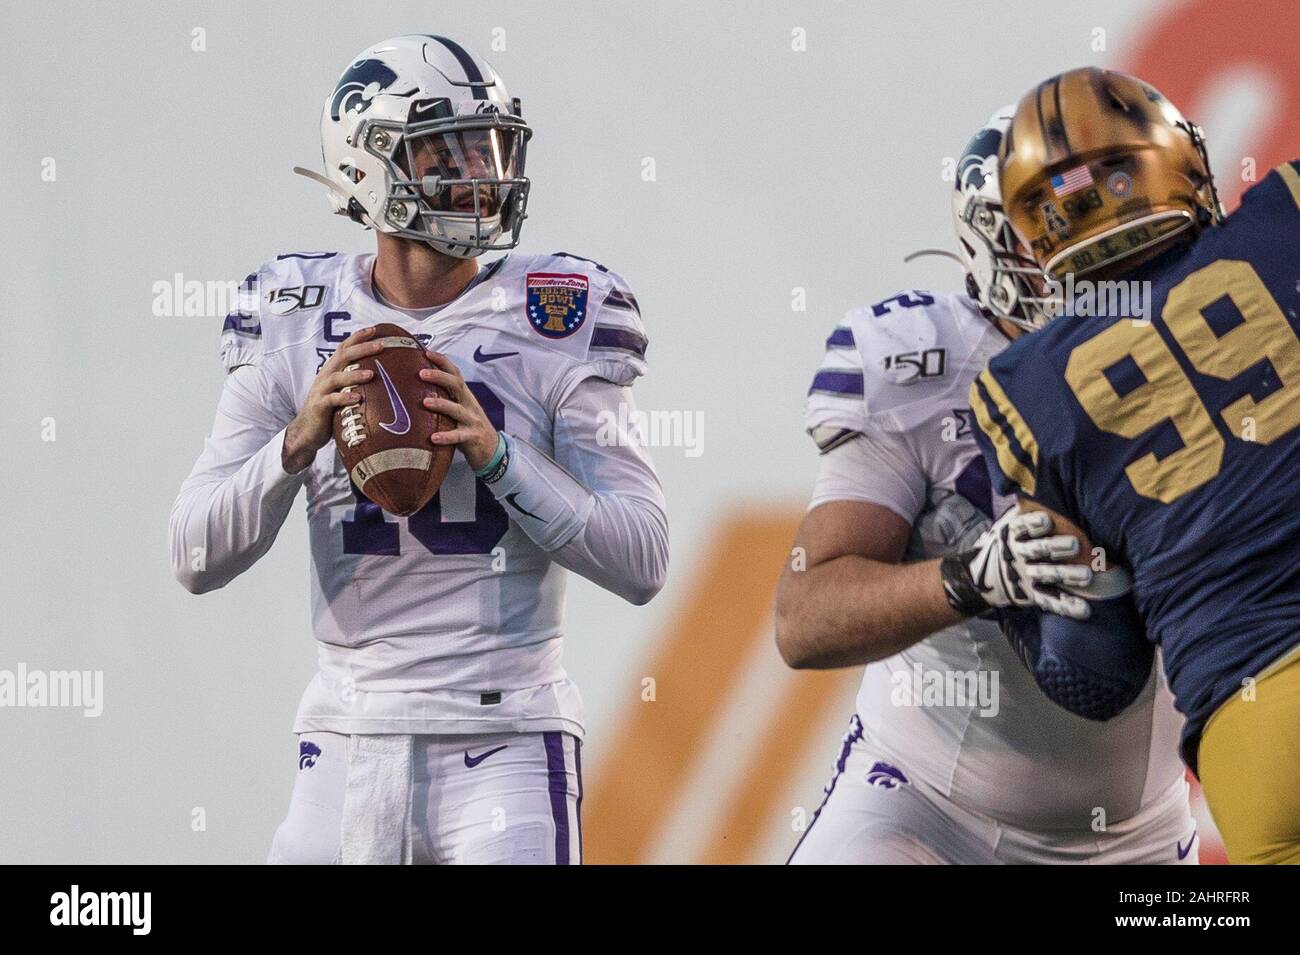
(492,465)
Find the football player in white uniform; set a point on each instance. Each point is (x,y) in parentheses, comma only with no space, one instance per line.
(954,754)
(441,726)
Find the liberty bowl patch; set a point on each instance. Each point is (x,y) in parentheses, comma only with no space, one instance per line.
(557,303)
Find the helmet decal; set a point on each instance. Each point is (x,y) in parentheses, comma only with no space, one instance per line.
(977,152)
(473,75)
(354,87)
(426,109)
(999,278)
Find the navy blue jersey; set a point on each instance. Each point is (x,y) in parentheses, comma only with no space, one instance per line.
(1174,443)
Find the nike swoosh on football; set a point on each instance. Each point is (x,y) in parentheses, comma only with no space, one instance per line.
(510,499)
(482,356)
(401,422)
(472,761)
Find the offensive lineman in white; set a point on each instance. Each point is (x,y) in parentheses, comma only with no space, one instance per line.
(991,770)
(442,726)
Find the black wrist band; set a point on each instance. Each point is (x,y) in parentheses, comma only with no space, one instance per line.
(958,587)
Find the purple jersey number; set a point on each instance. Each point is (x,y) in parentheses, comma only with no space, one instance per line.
(369,533)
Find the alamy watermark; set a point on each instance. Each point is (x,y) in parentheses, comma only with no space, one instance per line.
(973,689)
(133,910)
(1085,298)
(53,689)
(179,297)
(655,429)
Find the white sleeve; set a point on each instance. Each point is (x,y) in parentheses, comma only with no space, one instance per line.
(874,466)
(597,509)
(234,501)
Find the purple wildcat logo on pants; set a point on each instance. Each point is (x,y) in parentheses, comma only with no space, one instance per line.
(307,754)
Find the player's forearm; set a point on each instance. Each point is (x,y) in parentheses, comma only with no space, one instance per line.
(850,611)
(618,541)
(220,527)
(623,547)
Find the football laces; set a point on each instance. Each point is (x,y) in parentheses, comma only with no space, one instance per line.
(354,427)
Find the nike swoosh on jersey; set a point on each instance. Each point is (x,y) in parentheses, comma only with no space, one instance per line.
(401,422)
(483,357)
(510,499)
(472,761)
(1182,853)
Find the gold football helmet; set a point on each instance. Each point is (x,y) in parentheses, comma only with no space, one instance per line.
(1097,167)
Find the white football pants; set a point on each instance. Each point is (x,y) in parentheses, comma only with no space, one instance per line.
(497,799)
(875,813)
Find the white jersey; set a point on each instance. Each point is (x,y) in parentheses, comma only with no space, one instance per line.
(893,386)
(448,621)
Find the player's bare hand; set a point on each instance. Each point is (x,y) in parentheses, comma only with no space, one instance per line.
(474,433)
(313,426)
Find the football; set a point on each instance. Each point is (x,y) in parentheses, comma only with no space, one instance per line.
(384,440)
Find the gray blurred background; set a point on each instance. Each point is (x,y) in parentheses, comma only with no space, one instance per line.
(776,169)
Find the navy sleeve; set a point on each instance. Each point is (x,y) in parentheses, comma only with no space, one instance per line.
(1095,668)
(1023,432)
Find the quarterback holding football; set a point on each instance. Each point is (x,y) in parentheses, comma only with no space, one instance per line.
(442,415)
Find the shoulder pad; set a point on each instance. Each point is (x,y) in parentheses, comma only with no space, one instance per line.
(881,358)
(241,332)
(907,344)
(586,312)
(1280,188)
(274,300)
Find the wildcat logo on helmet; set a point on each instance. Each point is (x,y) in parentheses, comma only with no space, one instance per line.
(358,86)
(970,168)
(557,303)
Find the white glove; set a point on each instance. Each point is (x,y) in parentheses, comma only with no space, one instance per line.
(1015,563)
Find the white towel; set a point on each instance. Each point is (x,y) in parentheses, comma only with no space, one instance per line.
(377,801)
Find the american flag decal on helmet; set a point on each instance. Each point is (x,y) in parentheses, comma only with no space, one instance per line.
(1072,180)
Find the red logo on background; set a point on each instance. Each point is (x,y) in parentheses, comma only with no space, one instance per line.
(1191,48)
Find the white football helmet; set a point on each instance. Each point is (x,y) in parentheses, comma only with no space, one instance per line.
(999,276)
(420,139)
